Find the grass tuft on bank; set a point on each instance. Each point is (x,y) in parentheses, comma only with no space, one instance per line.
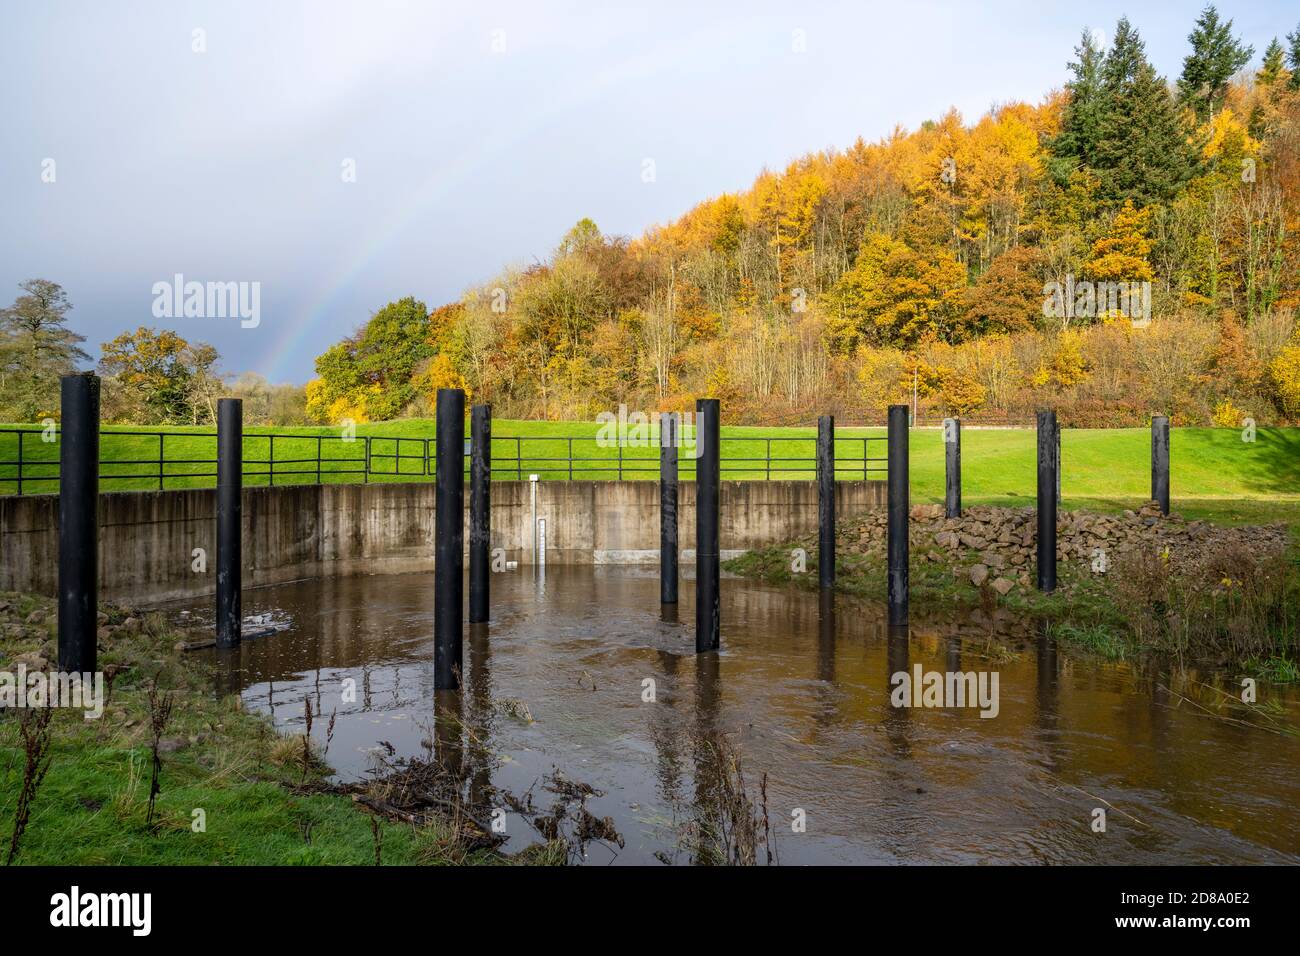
(233,791)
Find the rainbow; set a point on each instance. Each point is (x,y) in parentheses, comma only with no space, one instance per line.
(301,333)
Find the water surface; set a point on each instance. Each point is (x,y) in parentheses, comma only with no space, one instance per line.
(801,689)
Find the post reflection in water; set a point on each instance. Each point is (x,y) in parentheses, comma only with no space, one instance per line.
(709,753)
(828,692)
(1048,694)
(799,692)
(479,691)
(665,720)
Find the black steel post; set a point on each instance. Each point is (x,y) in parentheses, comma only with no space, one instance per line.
(707,550)
(826,501)
(899,505)
(449,540)
(230,489)
(669,423)
(480,512)
(1056,426)
(78,523)
(1160,462)
(1047,472)
(952,455)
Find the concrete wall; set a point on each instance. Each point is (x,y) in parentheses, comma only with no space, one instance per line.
(147,539)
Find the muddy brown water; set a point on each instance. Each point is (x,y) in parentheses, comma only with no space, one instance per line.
(802,690)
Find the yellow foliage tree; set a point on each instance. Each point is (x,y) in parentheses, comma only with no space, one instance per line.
(1121,255)
(334,411)
(438,373)
(1069,365)
(1284,371)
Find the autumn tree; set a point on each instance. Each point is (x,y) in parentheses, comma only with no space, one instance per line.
(1008,297)
(156,377)
(368,376)
(269,404)
(1121,254)
(36,349)
(1230,367)
(1284,375)
(895,295)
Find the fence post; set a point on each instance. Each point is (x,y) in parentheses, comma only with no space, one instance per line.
(1048,467)
(707,492)
(899,505)
(1160,462)
(826,501)
(668,423)
(230,487)
(449,540)
(480,511)
(78,523)
(952,456)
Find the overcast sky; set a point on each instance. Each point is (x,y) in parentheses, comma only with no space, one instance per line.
(478,132)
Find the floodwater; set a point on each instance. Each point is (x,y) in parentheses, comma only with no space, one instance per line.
(801,689)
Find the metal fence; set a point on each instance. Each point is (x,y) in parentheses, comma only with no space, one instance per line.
(156,460)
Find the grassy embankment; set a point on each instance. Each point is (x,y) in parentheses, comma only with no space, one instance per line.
(261,802)
(1215,474)
(1252,623)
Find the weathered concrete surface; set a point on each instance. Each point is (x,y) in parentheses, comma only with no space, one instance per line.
(148,539)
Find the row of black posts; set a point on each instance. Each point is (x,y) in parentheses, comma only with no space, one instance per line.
(448,612)
(78,598)
(708,492)
(449,543)
(898,504)
(708,555)
(898,494)
(79,521)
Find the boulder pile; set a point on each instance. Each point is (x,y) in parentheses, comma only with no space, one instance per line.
(999,545)
(29,624)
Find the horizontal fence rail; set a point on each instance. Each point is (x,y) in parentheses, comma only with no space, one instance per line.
(162,461)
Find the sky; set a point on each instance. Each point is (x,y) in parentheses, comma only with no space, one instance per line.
(342,155)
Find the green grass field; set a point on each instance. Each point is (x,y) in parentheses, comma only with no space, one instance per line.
(1213,469)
